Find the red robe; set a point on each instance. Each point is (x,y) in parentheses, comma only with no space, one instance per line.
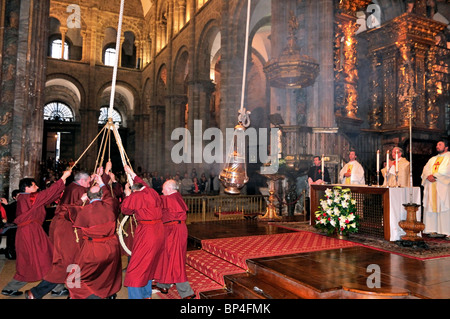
(99,257)
(33,247)
(62,236)
(173,269)
(148,242)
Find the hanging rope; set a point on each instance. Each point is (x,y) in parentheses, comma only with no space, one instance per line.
(244,117)
(110,126)
(114,78)
(76,162)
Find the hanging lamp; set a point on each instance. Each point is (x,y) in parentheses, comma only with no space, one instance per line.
(292,69)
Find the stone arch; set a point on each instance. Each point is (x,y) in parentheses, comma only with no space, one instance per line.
(146,97)
(257,86)
(208,60)
(125,99)
(162,23)
(181,72)
(65,89)
(207,54)
(60,13)
(161,85)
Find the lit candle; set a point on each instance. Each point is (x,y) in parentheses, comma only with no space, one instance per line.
(387,162)
(378,160)
(322,163)
(396,162)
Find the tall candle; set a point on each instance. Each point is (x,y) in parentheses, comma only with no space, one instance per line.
(396,161)
(322,163)
(387,162)
(378,160)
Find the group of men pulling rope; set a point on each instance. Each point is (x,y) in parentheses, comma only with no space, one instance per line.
(82,249)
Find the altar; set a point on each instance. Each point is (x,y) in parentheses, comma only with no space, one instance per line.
(379,208)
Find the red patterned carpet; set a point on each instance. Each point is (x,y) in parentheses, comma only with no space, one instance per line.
(215,267)
(207,267)
(199,282)
(238,249)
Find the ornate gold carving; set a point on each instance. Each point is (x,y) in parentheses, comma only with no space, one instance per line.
(408,78)
(346,73)
(351,6)
(4,164)
(350,71)
(431,87)
(375,115)
(4,140)
(406,90)
(6,118)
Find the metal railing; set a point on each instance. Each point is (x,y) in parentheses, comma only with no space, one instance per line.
(207,207)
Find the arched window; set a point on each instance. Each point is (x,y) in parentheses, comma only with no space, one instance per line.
(56,49)
(57,111)
(103,118)
(109,56)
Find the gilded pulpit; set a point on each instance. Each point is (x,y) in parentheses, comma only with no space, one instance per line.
(404,74)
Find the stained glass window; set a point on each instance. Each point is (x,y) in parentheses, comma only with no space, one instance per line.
(57,111)
(57,49)
(103,118)
(110,56)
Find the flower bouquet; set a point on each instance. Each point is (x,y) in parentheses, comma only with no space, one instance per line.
(337,212)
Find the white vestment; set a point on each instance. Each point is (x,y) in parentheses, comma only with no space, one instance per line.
(403,174)
(357,171)
(437,214)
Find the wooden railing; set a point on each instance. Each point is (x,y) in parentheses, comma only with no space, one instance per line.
(206,206)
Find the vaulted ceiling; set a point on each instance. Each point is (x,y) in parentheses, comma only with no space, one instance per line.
(146,5)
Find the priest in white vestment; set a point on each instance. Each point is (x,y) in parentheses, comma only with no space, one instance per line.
(403,170)
(352,173)
(436,196)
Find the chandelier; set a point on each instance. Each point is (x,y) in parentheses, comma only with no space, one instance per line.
(292,69)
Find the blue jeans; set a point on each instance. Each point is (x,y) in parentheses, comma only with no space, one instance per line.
(140,292)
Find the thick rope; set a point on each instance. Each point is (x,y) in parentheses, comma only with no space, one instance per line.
(114,78)
(76,162)
(243,115)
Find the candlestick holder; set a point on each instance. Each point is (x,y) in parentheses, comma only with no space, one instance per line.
(378,178)
(396,179)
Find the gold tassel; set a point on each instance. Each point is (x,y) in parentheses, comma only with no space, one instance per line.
(76,235)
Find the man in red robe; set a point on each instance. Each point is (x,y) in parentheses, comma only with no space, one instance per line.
(97,272)
(173,268)
(148,243)
(62,236)
(33,247)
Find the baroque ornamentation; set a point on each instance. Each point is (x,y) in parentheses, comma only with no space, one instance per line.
(346,73)
(406,88)
(431,87)
(6,118)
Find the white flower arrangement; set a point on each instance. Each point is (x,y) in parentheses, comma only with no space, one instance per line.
(337,212)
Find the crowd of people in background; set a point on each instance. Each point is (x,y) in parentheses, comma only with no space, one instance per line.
(189,183)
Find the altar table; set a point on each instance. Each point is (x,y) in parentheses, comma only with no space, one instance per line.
(379,208)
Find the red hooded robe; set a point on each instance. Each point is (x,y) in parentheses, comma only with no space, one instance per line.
(62,235)
(33,247)
(148,242)
(173,269)
(99,257)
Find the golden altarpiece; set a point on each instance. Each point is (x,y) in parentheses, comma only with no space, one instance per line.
(406,66)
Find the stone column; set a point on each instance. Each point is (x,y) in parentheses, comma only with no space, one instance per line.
(63,31)
(22,87)
(83,49)
(182,13)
